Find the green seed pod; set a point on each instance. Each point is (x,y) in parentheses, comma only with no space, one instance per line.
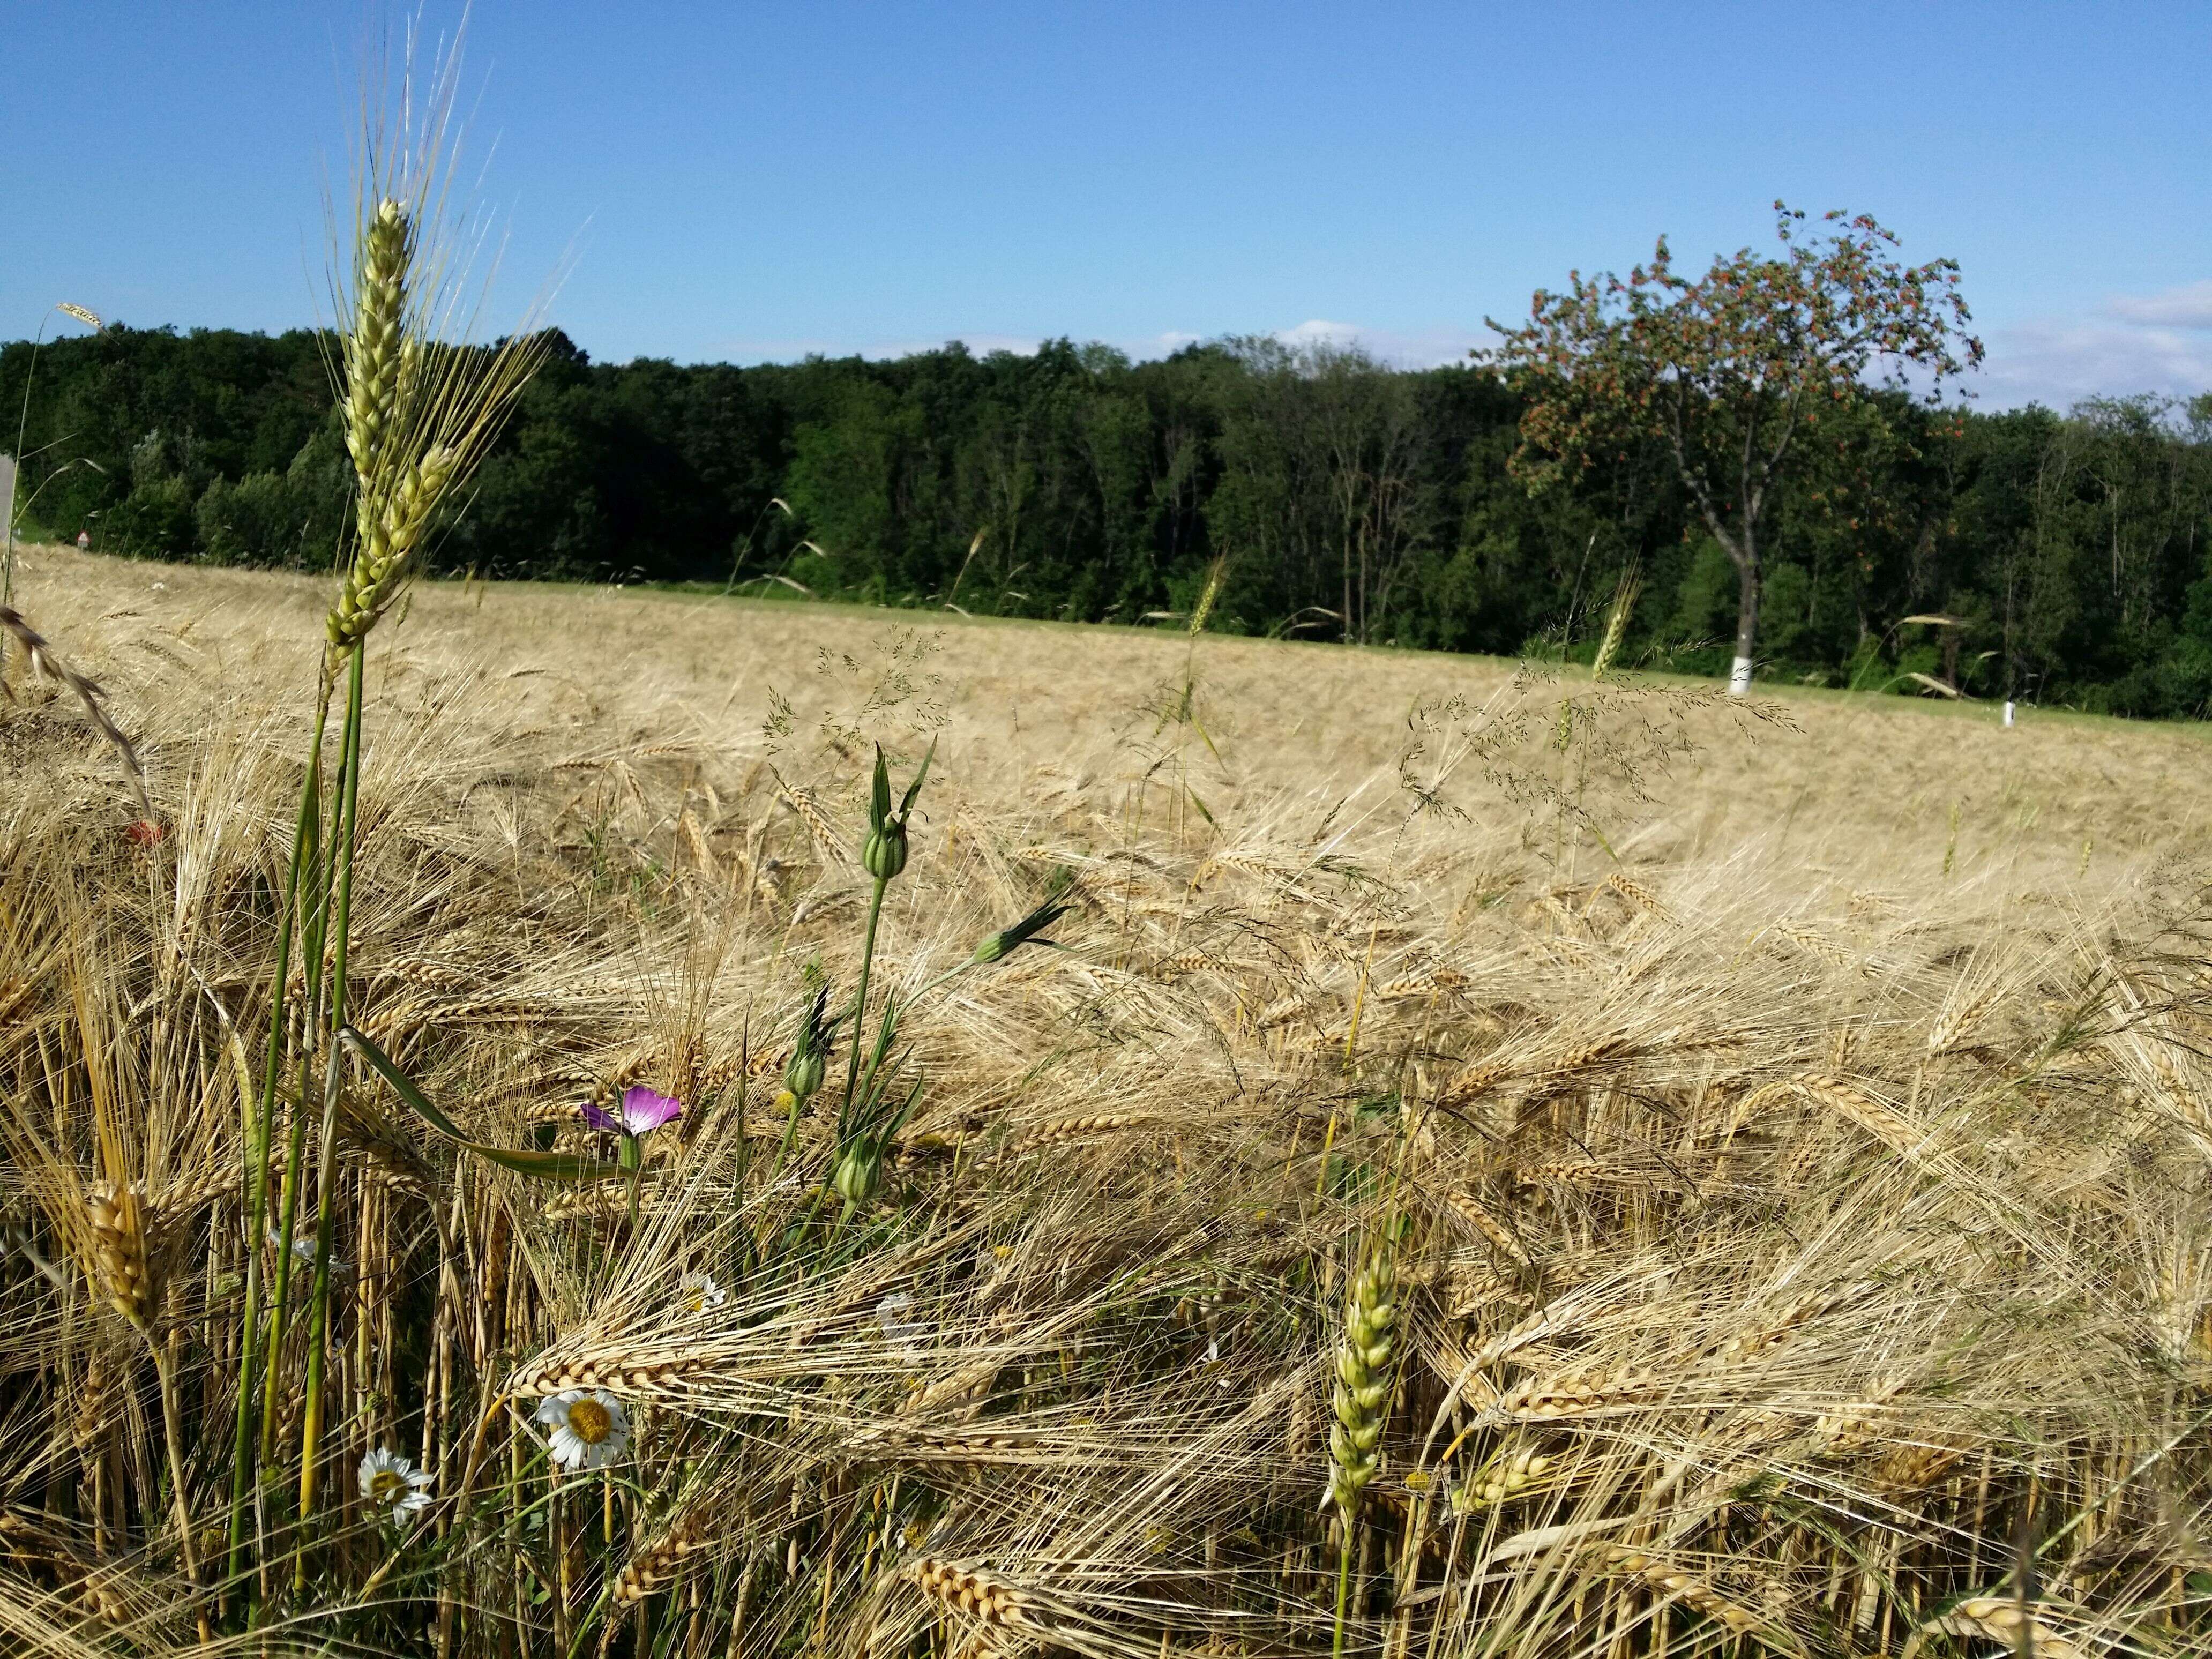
(884,853)
(1007,940)
(803,1076)
(857,1173)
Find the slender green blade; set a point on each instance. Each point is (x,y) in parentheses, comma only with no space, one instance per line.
(546,1166)
(381,1064)
(914,788)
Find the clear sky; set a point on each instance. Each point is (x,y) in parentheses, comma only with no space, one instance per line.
(749,181)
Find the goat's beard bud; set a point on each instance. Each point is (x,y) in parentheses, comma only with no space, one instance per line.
(884,855)
(803,1076)
(856,1176)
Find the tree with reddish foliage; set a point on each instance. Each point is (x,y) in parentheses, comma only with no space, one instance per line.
(1727,374)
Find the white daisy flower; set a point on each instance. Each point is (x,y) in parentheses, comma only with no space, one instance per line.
(590,1429)
(390,1481)
(906,1332)
(700,1292)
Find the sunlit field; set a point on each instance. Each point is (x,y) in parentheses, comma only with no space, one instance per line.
(1486,1160)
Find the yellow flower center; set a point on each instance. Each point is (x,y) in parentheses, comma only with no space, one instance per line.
(590,1421)
(386,1485)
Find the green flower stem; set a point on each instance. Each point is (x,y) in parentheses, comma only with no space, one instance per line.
(311,967)
(630,1153)
(860,995)
(790,1138)
(311,1430)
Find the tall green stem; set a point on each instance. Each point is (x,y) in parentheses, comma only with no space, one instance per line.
(311,968)
(861,996)
(1343,1588)
(260,1124)
(310,1432)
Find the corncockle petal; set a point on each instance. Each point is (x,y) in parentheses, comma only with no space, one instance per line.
(644,1111)
(599,1118)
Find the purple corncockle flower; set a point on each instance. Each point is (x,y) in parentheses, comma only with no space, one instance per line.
(643,1112)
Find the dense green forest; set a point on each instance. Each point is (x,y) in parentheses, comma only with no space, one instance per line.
(2068,557)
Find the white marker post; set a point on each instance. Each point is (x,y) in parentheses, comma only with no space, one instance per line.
(1740,676)
(2008,711)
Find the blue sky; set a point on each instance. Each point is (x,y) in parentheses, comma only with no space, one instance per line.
(752,181)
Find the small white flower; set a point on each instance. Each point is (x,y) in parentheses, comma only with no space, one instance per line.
(906,1332)
(1214,1357)
(303,1244)
(590,1429)
(390,1481)
(701,1293)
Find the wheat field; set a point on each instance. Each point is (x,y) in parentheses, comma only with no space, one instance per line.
(1674,1178)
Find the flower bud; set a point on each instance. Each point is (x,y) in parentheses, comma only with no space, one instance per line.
(803,1076)
(884,853)
(856,1176)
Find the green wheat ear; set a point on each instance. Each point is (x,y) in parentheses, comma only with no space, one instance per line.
(375,348)
(1363,1382)
(375,356)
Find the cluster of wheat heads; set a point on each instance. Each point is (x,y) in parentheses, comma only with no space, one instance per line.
(1777,1259)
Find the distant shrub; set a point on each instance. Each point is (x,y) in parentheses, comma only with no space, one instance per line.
(155,522)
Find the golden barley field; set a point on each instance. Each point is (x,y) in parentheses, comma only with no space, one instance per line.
(1498,1163)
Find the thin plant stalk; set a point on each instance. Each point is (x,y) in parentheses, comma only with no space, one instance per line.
(311,1431)
(860,995)
(1343,1588)
(311,946)
(23,426)
(258,1156)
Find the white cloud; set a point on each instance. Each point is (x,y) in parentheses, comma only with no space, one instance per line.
(1407,349)
(2158,343)
(2189,306)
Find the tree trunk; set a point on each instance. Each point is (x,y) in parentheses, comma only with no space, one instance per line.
(1747,618)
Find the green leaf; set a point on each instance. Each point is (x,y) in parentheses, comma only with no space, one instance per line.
(879,802)
(914,788)
(546,1166)
(381,1064)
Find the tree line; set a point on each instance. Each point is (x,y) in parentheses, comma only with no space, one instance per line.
(2060,558)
